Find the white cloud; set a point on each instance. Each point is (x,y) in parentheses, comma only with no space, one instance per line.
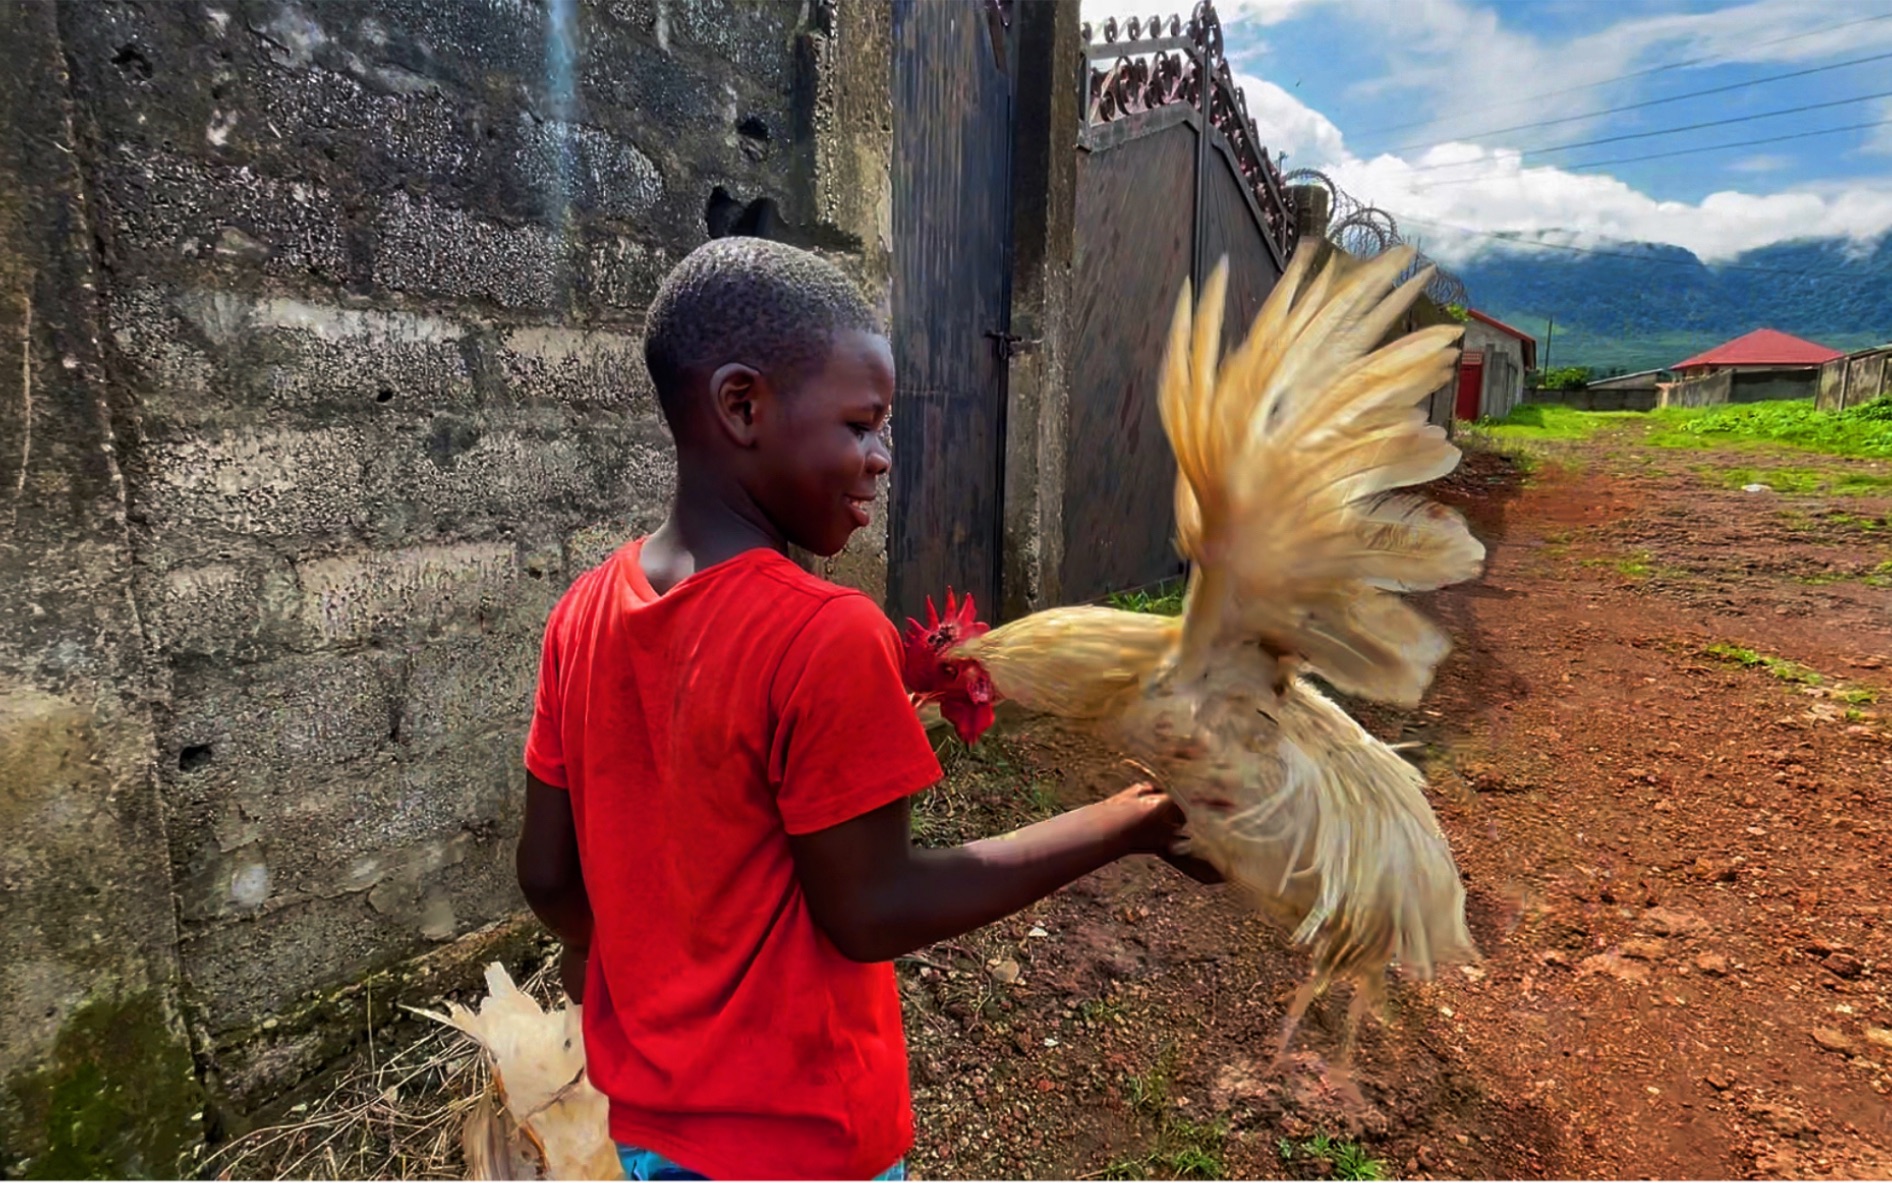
(1457,60)
(1762,31)
(1504,196)
(1472,62)
(1286,124)
(1761,163)
(1592,209)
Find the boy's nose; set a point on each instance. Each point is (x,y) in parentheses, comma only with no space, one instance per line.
(879,459)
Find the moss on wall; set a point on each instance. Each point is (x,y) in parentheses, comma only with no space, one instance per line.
(118,1098)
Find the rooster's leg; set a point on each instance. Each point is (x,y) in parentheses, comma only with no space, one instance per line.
(1303,998)
(1368,993)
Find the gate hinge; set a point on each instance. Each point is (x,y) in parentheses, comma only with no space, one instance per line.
(998,18)
(1010,344)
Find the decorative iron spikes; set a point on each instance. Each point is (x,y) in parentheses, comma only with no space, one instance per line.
(1142,78)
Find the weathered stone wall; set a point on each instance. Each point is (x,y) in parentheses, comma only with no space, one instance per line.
(1763,386)
(1709,390)
(1598,398)
(1855,379)
(88,979)
(338,384)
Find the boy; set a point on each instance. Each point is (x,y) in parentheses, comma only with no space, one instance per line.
(722,753)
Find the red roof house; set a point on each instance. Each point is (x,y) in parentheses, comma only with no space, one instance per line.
(1491,367)
(1762,348)
(1528,342)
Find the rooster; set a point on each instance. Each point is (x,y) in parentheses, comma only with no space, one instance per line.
(542,1118)
(1290,453)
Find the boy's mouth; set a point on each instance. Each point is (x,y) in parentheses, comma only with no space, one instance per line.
(861,508)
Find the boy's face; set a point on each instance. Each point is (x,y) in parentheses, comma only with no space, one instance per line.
(821,458)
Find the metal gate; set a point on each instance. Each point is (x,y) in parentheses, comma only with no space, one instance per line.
(1171,177)
(952,234)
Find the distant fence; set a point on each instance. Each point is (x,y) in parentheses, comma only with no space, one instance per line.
(1736,386)
(1711,390)
(1598,398)
(1855,379)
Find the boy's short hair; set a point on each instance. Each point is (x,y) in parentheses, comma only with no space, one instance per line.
(754,301)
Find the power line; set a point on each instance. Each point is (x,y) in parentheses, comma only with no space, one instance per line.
(1674,98)
(1511,238)
(1669,131)
(1705,60)
(1799,135)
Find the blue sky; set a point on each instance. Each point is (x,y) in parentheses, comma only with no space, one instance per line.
(1415,105)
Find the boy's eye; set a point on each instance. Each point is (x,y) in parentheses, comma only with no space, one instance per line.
(860,428)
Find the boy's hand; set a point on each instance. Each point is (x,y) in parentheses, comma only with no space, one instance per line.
(1153,824)
(1148,818)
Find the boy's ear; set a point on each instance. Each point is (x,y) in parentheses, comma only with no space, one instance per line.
(736,395)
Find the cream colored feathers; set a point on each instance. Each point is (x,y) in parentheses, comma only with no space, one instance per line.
(1290,454)
(549,1122)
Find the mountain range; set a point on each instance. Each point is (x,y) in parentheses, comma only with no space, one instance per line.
(1622,307)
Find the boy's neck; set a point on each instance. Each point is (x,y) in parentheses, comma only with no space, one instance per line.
(711,519)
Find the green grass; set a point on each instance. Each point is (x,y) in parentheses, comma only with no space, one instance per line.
(1857,431)
(1864,430)
(1858,696)
(1553,421)
(1183,1149)
(1845,521)
(985,792)
(1347,1160)
(1148,1091)
(1779,667)
(1639,565)
(1193,1150)
(1802,481)
(1163,600)
(1880,575)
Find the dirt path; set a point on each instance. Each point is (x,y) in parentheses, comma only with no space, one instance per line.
(1674,845)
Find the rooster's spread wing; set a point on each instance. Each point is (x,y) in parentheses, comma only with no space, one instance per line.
(1289,453)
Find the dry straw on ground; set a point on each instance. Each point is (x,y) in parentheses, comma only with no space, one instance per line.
(393,1117)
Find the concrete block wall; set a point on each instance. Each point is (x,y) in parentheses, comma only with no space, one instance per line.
(1854,380)
(1709,390)
(1597,398)
(367,295)
(1774,385)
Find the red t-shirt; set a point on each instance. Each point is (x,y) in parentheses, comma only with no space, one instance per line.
(695,732)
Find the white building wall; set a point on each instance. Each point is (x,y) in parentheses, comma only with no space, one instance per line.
(1504,368)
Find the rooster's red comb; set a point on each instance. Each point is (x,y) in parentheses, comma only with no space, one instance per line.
(960,622)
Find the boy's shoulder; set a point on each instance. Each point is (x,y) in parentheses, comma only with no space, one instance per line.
(826,609)
(766,583)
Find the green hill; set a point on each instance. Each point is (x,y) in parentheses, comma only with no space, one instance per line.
(1644,305)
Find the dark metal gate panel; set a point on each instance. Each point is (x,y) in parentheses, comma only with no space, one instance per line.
(952,226)
(1171,177)
(1229,228)
(1134,250)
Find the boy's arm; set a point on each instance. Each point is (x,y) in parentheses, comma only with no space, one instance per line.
(550,877)
(878,896)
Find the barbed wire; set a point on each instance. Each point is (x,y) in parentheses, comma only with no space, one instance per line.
(1365,230)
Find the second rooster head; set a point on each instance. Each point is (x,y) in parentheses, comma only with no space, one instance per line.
(959,685)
